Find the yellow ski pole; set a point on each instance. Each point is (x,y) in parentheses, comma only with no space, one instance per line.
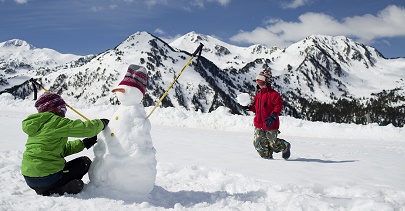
(77,112)
(198,50)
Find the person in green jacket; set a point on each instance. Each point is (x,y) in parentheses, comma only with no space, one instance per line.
(43,165)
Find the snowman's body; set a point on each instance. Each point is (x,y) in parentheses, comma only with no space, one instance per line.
(125,158)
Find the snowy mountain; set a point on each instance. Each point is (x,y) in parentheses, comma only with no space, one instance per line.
(224,55)
(19,61)
(321,78)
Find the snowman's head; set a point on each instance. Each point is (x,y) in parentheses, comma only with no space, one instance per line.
(132,88)
(128,95)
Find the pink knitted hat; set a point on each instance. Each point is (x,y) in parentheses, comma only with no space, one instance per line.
(135,77)
(50,102)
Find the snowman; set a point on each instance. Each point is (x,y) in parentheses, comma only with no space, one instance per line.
(125,158)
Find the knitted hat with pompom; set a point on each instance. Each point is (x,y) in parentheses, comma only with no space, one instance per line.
(50,102)
(264,75)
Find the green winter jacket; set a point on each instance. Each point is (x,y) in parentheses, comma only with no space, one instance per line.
(48,144)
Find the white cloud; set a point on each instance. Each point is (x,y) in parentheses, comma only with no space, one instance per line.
(103,8)
(221,2)
(113,6)
(201,3)
(97,8)
(159,31)
(21,1)
(151,3)
(389,22)
(295,4)
(197,3)
(386,42)
(171,39)
(187,5)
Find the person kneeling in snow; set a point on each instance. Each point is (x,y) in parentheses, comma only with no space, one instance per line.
(267,106)
(43,165)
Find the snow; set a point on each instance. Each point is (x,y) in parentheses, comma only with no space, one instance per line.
(21,51)
(206,161)
(22,58)
(244,99)
(233,56)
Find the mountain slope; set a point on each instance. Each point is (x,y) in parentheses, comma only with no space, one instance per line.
(224,55)
(20,60)
(321,78)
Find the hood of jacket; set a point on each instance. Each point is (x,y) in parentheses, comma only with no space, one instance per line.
(34,122)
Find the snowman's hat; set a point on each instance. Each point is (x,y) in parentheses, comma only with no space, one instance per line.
(135,77)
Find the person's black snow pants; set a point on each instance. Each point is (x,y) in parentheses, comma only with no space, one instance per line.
(70,182)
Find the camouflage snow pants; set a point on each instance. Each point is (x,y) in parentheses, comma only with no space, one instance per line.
(266,142)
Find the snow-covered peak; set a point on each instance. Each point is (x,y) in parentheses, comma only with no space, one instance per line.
(18,59)
(319,61)
(138,42)
(192,37)
(17,44)
(17,51)
(139,36)
(338,48)
(261,49)
(340,45)
(224,55)
(190,41)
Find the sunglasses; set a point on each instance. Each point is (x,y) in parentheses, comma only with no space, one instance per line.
(261,82)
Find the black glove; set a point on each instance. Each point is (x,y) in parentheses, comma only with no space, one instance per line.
(89,142)
(270,120)
(105,122)
(246,108)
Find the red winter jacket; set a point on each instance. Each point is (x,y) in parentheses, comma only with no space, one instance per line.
(266,102)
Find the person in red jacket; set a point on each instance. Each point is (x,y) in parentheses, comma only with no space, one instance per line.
(267,106)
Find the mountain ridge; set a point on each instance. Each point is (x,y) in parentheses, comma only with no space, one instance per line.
(315,73)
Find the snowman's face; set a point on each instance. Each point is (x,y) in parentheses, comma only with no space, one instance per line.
(128,95)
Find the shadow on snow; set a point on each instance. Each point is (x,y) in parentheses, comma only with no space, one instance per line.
(167,199)
(160,197)
(322,161)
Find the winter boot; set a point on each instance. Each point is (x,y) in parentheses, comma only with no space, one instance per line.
(286,152)
(269,157)
(72,187)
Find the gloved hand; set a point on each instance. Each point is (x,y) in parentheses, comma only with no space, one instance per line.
(270,120)
(89,142)
(105,122)
(246,108)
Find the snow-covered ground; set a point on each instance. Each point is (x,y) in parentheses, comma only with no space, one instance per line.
(207,162)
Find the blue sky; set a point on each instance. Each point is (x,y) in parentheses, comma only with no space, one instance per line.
(92,26)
